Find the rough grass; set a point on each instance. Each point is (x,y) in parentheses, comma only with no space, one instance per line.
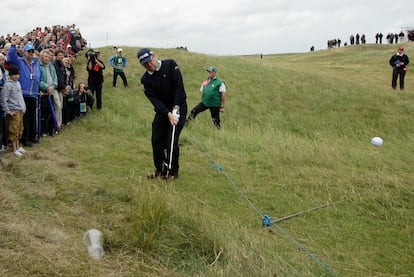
(296,135)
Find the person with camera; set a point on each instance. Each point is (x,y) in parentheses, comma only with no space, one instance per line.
(95,69)
(84,100)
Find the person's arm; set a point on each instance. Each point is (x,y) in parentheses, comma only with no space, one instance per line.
(180,96)
(100,64)
(12,57)
(223,96)
(111,61)
(223,101)
(407,61)
(392,61)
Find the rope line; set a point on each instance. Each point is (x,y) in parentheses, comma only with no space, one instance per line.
(266,220)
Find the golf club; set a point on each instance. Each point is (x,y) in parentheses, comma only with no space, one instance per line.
(300,213)
(176,114)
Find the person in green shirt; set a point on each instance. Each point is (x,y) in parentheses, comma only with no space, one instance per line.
(213,98)
(118,62)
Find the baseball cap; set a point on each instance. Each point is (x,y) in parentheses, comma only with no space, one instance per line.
(13,70)
(212,69)
(401,48)
(144,55)
(119,49)
(28,47)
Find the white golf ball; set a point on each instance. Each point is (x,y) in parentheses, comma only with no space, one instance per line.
(377,141)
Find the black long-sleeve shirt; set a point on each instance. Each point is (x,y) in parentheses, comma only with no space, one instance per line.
(164,87)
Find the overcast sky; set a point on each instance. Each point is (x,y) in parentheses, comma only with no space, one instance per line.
(227,27)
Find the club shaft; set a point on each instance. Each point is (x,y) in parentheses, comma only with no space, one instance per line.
(171,148)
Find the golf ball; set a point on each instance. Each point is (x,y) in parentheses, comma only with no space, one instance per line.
(377,141)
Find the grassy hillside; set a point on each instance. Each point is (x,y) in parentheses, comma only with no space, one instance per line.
(296,135)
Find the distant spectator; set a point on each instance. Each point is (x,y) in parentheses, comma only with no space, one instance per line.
(352,40)
(399,63)
(401,36)
(363,39)
(118,62)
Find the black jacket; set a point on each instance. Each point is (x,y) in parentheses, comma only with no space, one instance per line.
(165,87)
(396,60)
(61,75)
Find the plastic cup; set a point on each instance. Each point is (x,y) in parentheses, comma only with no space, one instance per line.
(93,240)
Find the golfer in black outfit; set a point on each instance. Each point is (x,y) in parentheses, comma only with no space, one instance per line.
(163,85)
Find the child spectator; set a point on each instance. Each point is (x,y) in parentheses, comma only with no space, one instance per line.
(13,105)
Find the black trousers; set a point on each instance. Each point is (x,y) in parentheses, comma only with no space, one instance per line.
(395,73)
(161,142)
(214,112)
(46,118)
(29,120)
(123,77)
(96,90)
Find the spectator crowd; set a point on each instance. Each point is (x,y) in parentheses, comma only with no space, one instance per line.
(391,38)
(43,61)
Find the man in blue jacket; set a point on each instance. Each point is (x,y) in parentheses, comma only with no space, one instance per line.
(29,80)
(118,62)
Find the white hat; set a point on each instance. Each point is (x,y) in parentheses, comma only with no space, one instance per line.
(119,49)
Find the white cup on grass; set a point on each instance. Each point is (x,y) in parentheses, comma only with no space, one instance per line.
(93,240)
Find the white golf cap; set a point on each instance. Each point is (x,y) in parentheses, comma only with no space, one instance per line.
(119,49)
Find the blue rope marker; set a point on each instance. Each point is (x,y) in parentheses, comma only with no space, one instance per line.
(266,220)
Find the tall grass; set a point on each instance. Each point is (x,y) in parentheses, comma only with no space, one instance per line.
(296,134)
